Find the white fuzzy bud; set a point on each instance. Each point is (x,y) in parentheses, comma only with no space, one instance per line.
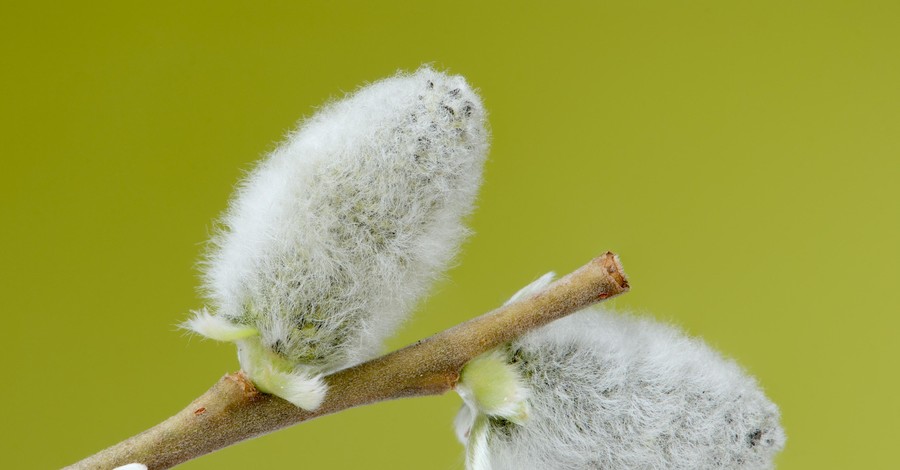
(334,237)
(612,391)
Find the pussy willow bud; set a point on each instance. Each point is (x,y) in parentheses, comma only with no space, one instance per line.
(333,238)
(603,390)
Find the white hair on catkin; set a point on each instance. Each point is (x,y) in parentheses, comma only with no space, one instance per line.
(612,391)
(333,238)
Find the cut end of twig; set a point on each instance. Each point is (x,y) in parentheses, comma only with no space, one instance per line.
(610,262)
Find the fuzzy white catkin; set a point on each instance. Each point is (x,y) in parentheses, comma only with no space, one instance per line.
(611,391)
(331,241)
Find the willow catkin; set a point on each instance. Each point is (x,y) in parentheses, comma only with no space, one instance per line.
(330,242)
(602,390)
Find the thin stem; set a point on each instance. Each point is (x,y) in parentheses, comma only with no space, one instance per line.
(234,410)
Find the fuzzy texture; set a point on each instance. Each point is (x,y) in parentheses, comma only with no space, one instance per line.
(331,241)
(611,391)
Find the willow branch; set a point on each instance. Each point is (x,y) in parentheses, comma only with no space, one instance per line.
(234,410)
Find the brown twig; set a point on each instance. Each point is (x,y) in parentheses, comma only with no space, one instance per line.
(234,410)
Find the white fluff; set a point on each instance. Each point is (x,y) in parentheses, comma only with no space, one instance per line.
(333,238)
(611,391)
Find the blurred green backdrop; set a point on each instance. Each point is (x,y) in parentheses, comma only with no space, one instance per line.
(742,159)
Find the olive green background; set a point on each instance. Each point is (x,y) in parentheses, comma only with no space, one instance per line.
(742,159)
